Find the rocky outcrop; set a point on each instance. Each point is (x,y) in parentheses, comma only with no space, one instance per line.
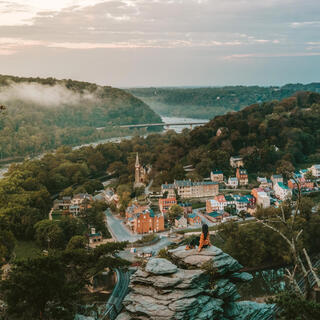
(193,285)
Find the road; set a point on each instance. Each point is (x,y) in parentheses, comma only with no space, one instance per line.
(147,189)
(118,230)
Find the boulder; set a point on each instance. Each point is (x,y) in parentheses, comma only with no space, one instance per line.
(197,286)
(160,266)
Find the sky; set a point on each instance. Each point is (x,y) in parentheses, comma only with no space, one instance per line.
(136,43)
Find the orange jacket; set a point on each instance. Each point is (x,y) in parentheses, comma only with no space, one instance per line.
(203,241)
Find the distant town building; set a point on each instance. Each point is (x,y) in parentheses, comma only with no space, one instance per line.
(216,176)
(282,191)
(263,200)
(315,169)
(141,174)
(242,176)
(217,216)
(193,219)
(94,236)
(302,183)
(81,198)
(110,196)
(186,206)
(264,182)
(275,178)
(146,222)
(166,203)
(233,182)
(242,203)
(181,222)
(134,209)
(236,162)
(213,205)
(189,189)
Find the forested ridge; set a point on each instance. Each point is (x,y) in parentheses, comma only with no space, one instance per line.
(205,103)
(43,114)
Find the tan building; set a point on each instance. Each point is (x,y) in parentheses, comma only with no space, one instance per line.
(216,176)
(189,189)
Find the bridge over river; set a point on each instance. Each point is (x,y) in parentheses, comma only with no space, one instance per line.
(164,124)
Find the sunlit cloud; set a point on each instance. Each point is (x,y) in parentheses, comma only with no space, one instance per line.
(269,55)
(305,24)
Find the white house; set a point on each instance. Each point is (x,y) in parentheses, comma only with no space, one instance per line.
(282,191)
(236,162)
(315,169)
(233,182)
(263,199)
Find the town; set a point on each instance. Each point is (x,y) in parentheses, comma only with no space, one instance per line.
(186,204)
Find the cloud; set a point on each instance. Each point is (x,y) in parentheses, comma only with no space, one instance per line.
(205,29)
(305,24)
(270,55)
(43,95)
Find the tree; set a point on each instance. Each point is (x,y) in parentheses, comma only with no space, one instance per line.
(310,176)
(77,242)
(49,287)
(7,244)
(94,217)
(48,234)
(288,223)
(294,307)
(174,212)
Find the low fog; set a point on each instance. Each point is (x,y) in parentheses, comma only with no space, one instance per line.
(44,95)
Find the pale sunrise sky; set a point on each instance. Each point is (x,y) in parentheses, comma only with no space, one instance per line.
(162,42)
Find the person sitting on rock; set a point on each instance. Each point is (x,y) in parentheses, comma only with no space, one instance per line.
(202,242)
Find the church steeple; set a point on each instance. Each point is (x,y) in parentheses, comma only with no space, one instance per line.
(137,160)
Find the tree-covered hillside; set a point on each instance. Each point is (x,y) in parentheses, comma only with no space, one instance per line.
(43,114)
(206,103)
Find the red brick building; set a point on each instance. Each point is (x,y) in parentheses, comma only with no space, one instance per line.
(166,203)
(242,176)
(146,222)
(302,183)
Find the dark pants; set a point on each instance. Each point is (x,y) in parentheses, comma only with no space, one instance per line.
(196,242)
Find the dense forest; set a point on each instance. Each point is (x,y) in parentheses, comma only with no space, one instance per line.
(43,114)
(206,103)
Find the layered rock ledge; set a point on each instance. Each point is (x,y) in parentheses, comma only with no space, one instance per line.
(193,285)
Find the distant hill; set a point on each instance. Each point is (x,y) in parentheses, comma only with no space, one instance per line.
(43,114)
(207,103)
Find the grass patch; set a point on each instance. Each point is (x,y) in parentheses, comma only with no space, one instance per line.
(26,249)
(197,205)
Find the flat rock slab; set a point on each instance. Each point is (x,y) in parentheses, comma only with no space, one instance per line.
(214,256)
(160,266)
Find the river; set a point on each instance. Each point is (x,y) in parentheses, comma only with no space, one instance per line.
(178,129)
